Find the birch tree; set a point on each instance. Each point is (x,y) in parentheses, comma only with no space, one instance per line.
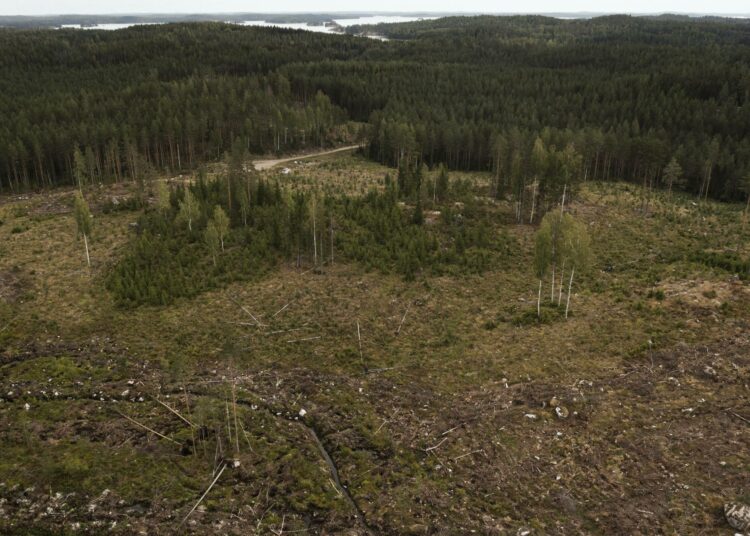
(211,236)
(83,222)
(221,222)
(79,168)
(542,259)
(188,209)
(577,251)
(560,240)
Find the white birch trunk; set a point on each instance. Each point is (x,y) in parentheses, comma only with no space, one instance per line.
(86,243)
(562,205)
(539,301)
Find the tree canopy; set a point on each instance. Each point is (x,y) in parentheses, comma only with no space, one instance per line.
(607,98)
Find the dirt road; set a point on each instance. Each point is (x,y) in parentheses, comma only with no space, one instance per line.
(260,165)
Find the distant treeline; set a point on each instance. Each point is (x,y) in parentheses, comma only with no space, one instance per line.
(627,94)
(56,21)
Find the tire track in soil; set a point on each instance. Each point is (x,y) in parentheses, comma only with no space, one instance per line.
(310,431)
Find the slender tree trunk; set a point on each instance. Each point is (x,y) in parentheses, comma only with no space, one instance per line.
(315,240)
(539,301)
(86,244)
(708,182)
(570,285)
(533,202)
(552,295)
(562,276)
(562,205)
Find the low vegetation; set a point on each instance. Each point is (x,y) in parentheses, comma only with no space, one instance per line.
(359,394)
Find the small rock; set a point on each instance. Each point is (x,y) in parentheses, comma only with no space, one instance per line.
(531,416)
(125,393)
(554,402)
(709,371)
(562,412)
(302,412)
(26,406)
(738,516)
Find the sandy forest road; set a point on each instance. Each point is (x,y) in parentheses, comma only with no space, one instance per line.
(261,165)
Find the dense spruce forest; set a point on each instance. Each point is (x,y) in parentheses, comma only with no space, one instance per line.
(474,275)
(621,97)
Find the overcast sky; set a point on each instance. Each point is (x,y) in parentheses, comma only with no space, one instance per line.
(44,7)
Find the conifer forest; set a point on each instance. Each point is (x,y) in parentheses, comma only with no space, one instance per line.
(455,275)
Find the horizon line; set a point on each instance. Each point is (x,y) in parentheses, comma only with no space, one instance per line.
(364,12)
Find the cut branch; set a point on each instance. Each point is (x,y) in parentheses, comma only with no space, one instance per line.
(147,428)
(246,311)
(403,318)
(204,494)
(176,413)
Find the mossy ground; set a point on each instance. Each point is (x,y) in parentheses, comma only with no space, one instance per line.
(429,427)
